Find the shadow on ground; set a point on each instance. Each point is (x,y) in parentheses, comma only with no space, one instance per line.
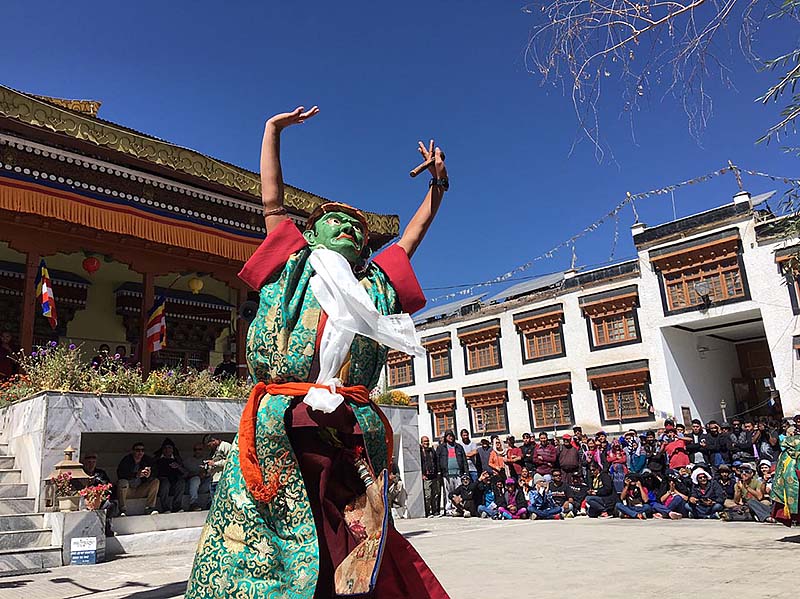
(173,589)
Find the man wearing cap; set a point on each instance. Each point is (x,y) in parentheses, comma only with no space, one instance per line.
(727,481)
(707,497)
(311,442)
(748,493)
(568,459)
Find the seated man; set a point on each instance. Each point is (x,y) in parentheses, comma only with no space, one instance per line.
(560,491)
(576,494)
(489,508)
(633,500)
(727,481)
(749,496)
(136,478)
(171,478)
(707,497)
(671,498)
(600,497)
(541,505)
(463,498)
(197,478)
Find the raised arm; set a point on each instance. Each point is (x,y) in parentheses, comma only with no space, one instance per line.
(271,174)
(422,219)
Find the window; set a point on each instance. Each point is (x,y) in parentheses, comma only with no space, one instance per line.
(623,392)
(540,344)
(440,364)
(540,333)
(443,421)
(401,369)
(632,401)
(442,407)
(481,343)
(483,355)
(611,317)
(551,412)
(614,328)
(489,419)
(487,405)
(549,400)
(438,349)
(723,277)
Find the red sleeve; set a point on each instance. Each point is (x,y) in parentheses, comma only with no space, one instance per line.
(395,263)
(283,241)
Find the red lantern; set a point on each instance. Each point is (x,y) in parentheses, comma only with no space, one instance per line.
(91,265)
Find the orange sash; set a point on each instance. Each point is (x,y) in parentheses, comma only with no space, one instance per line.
(265,489)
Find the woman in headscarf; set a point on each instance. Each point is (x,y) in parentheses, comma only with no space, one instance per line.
(785,483)
(499,453)
(301,509)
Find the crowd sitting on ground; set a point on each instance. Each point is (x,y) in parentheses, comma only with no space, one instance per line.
(163,479)
(720,471)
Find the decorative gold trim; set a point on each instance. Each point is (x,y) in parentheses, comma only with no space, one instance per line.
(88,107)
(45,114)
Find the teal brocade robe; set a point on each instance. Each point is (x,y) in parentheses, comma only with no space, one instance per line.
(248,549)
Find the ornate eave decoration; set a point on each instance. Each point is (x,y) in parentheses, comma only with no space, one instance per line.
(66,118)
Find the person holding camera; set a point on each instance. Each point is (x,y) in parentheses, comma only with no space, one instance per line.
(541,503)
(634,500)
(671,498)
(601,497)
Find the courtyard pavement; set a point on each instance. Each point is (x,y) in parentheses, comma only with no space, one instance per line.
(504,560)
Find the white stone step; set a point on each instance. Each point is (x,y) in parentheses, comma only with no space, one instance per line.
(4,449)
(17,505)
(10,475)
(13,490)
(27,561)
(21,522)
(25,539)
(6,461)
(137,524)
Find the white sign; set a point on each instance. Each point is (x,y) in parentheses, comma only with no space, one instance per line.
(83,544)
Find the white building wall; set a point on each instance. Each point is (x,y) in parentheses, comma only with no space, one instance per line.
(679,375)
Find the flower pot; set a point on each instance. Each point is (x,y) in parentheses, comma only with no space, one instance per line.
(69,503)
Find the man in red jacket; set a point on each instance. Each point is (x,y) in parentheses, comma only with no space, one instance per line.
(545,455)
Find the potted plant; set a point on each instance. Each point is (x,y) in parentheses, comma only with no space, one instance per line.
(68,500)
(94,496)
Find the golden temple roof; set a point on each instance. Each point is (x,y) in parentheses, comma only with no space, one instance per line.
(78,119)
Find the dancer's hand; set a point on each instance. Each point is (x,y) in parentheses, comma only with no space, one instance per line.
(437,169)
(296,117)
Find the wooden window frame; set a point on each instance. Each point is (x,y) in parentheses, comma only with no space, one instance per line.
(440,350)
(471,346)
(640,389)
(442,407)
(532,328)
(395,361)
(451,415)
(601,323)
(496,400)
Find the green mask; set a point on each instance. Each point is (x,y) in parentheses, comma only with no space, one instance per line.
(339,232)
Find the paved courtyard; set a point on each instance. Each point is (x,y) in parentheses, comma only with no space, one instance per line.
(473,558)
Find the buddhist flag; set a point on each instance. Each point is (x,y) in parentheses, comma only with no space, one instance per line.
(44,291)
(157,326)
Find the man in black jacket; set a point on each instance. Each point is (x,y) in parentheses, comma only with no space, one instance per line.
(431,485)
(452,462)
(137,477)
(718,447)
(601,497)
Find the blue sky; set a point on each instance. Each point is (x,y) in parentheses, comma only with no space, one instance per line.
(206,75)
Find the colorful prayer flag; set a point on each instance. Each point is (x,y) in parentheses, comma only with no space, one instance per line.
(44,291)
(157,326)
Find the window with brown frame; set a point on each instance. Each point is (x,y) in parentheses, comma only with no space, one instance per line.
(443,421)
(481,344)
(614,328)
(554,411)
(440,363)
(401,369)
(489,419)
(723,277)
(543,343)
(633,402)
(483,354)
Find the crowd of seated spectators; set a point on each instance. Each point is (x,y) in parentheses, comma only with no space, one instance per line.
(163,479)
(717,471)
